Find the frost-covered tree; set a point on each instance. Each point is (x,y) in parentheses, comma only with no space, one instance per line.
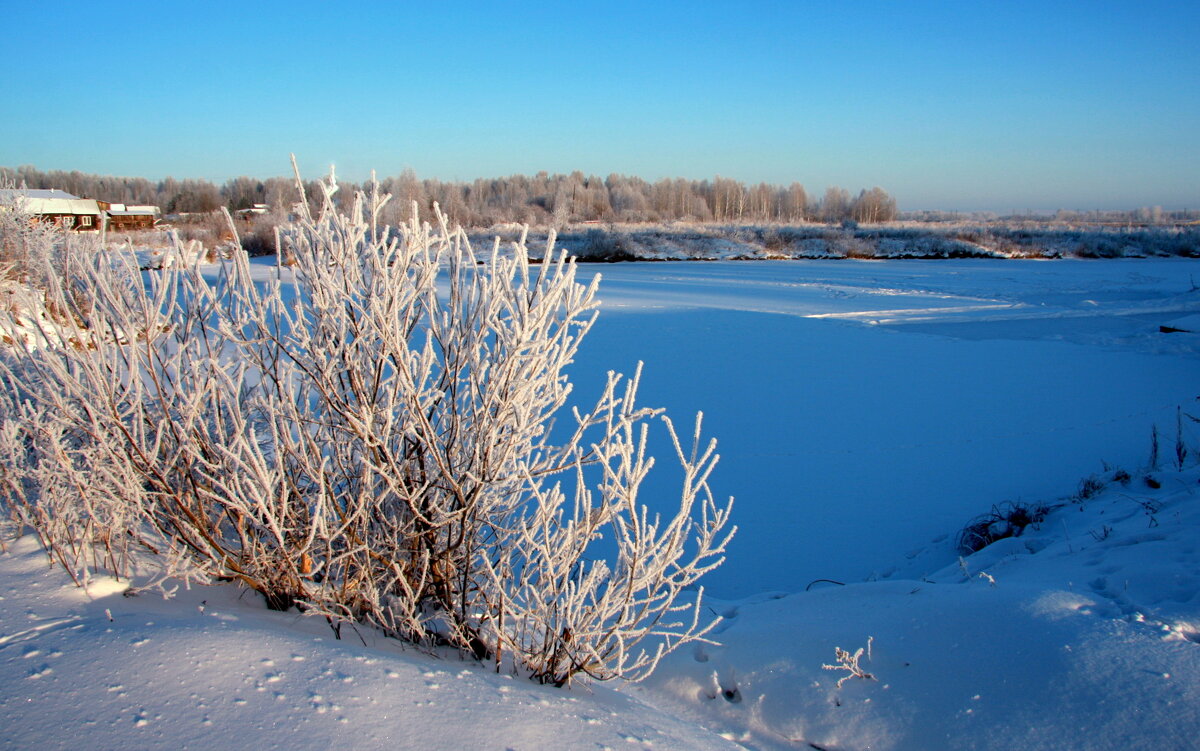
(873,206)
(795,204)
(195,197)
(835,206)
(243,192)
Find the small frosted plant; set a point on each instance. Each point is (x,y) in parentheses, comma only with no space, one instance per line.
(848,662)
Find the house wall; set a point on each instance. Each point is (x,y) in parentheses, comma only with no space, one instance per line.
(122,222)
(77,222)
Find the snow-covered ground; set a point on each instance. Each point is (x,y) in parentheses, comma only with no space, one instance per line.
(866,411)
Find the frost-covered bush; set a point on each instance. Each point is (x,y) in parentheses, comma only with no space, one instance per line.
(29,248)
(598,245)
(373,441)
(258,239)
(1005,520)
(33,254)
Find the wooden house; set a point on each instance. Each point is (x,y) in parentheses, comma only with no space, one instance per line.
(58,206)
(124,217)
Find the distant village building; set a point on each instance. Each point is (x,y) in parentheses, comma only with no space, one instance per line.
(58,206)
(81,214)
(122,217)
(255,210)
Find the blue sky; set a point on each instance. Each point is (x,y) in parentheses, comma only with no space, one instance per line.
(953,105)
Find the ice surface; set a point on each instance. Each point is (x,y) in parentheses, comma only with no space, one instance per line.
(847,443)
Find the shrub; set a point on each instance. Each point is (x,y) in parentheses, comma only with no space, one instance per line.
(371,443)
(27,245)
(1089,487)
(210,228)
(605,247)
(1005,520)
(259,237)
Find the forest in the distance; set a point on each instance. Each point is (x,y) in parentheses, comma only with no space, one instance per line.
(671,218)
(553,200)
(541,199)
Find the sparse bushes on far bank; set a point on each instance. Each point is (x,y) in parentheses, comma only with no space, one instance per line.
(850,240)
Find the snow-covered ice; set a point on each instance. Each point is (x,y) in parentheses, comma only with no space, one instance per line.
(851,433)
(866,411)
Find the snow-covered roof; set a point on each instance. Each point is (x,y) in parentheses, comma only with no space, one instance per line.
(9,193)
(50,201)
(61,206)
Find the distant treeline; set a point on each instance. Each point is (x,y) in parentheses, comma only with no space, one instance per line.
(557,200)
(540,200)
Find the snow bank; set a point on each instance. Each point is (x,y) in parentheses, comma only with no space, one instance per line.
(211,668)
(1080,634)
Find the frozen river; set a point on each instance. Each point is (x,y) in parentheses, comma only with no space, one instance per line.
(866,410)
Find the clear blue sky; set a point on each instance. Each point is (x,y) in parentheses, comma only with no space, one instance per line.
(954,105)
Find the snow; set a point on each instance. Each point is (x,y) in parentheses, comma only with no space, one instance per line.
(866,411)
(1187,324)
(1085,641)
(213,669)
(34,327)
